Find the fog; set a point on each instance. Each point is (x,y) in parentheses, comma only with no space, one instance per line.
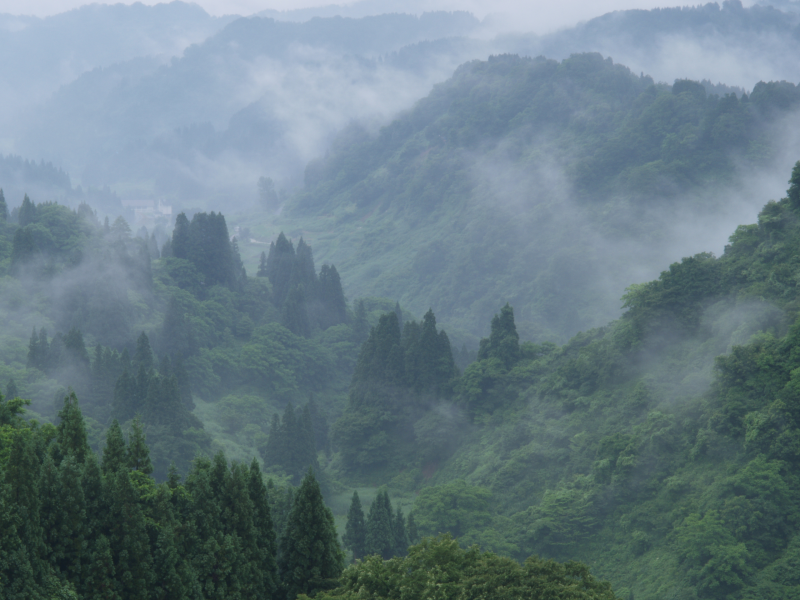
(189,104)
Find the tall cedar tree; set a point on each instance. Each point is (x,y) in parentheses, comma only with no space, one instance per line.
(380,537)
(503,342)
(280,263)
(138,452)
(115,452)
(3,207)
(27,212)
(71,438)
(310,557)
(355,531)
(264,530)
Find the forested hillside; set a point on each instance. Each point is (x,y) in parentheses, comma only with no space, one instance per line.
(552,185)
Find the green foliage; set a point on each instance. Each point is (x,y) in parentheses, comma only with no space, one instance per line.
(310,557)
(439,568)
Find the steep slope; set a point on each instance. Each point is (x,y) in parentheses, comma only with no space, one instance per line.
(635,447)
(550,185)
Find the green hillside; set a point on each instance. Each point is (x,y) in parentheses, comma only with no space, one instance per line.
(552,185)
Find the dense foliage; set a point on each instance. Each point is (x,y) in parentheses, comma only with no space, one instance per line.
(548,184)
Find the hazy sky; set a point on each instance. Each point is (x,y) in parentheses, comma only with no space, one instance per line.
(538,15)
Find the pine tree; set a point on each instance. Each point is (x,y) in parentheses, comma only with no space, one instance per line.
(793,193)
(34,354)
(360,323)
(3,207)
(264,530)
(128,538)
(280,263)
(115,452)
(96,508)
(310,559)
(11,390)
(380,538)
(355,532)
(400,536)
(503,342)
(71,436)
(100,583)
(331,297)
(262,266)
(143,357)
(295,314)
(138,453)
(413,533)
(27,212)
(181,241)
(71,524)
(167,584)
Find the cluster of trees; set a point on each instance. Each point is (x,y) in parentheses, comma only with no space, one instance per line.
(212,258)
(295,439)
(384,533)
(75,526)
(397,377)
(306,300)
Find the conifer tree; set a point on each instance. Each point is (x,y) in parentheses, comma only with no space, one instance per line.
(3,207)
(411,529)
(92,486)
(138,452)
(331,297)
(69,532)
(143,357)
(360,323)
(262,266)
(115,452)
(167,583)
(100,582)
(266,566)
(355,532)
(11,389)
(793,193)
(280,263)
(181,242)
(128,538)
(400,536)
(71,437)
(380,538)
(503,342)
(27,212)
(310,558)
(295,314)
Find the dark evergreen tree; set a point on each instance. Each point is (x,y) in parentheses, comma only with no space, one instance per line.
(100,583)
(355,531)
(267,582)
(280,264)
(27,212)
(503,342)
(71,429)
(333,308)
(360,323)
(400,536)
(319,427)
(128,538)
(167,583)
(143,357)
(380,538)
(138,453)
(411,530)
(11,390)
(3,207)
(290,445)
(115,452)
(793,193)
(310,557)
(295,315)
(181,238)
(399,312)
(262,266)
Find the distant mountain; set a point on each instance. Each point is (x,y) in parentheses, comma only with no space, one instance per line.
(39,55)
